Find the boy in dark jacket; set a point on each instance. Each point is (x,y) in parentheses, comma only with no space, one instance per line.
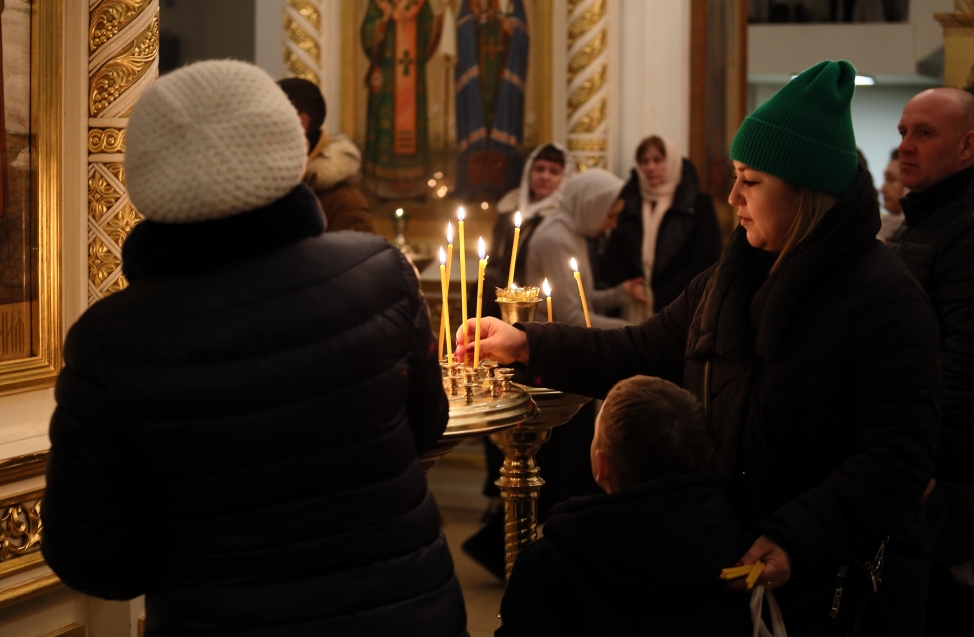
(644,558)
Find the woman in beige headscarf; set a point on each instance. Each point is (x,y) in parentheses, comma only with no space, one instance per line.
(667,234)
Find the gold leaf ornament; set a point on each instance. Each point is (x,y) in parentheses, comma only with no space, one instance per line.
(122,71)
(110,18)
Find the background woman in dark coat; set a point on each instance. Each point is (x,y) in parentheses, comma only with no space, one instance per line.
(666,235)
(815,352)
(237,431)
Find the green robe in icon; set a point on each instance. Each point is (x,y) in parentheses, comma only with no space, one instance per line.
(399,36)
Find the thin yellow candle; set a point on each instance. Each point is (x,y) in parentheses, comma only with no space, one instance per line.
(461,215)
(517,235)
(482,251)
(581,292)
(445,282)
(446,308)
(547,293)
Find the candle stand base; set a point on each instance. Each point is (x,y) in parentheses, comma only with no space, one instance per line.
(520,482)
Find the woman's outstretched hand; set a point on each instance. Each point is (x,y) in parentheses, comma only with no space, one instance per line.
(498,341)
(777,565)
(634,288)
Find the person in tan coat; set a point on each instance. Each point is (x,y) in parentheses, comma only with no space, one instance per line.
(334,164)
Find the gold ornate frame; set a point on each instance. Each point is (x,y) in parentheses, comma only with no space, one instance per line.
(41,369)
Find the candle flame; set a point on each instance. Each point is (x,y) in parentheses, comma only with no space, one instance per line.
(481,248)
(517,219)
(546,288)
(574,264)
(399,212)
(442,256)
(449,232)
(461,215)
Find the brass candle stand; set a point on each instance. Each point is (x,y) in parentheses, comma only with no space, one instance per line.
(517,419)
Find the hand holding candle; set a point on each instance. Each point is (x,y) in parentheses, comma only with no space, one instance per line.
(482,251)
(581,291)
(517,235)
(461,215)
(547,293)
(445,323)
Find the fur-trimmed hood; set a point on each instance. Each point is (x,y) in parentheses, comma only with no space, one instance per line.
(333,161)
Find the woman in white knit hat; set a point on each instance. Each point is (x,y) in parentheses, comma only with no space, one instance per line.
(247,412)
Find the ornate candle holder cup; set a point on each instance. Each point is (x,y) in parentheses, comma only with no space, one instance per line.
(518,304)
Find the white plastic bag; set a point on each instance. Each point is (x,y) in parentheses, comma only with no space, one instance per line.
(757,606)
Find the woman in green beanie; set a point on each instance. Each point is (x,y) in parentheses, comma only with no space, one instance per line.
(815,353)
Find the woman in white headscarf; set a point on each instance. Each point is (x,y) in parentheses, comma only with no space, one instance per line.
(667,233)
(590,206)
(546,172)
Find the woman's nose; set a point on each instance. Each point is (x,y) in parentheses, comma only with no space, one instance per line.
(735,198)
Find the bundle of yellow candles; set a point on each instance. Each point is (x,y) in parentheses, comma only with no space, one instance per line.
(581,291)
(751,571)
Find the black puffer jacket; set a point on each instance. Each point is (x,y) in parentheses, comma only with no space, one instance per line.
(236,435)
(687,243)
(645,561)
(824,386)
(937,244)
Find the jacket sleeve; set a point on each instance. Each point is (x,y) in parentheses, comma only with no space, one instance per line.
(426,405)
(590,361)
(93,537)
(348,210)
(707,246)
(955,302)
(893,380)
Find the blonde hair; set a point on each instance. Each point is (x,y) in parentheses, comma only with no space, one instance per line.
(812,206)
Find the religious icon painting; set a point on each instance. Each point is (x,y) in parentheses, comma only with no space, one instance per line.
(29,104)
(443,99)
(491,74)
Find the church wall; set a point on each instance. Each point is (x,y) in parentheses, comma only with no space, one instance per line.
(653,76)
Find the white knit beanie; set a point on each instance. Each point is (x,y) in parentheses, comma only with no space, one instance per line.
(211,140)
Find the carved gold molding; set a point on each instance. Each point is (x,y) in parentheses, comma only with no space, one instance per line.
(588,77)
(21,528)
(123,61)
(302,39)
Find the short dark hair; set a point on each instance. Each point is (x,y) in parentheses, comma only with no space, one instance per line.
(895,155)
(550,152)
(307,99)
(653,141)
(652,428)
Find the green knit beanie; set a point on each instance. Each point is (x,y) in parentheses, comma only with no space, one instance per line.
(803,134)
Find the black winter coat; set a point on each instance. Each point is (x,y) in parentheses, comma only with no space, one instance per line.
(937,244)
(645,561)
(237,432)
(688,241)
(824,384)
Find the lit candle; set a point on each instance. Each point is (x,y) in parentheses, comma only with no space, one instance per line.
(581,291)
(482,251)
(446,308)
(445,283)
(517,235)
(547,293)
(399,213)
(461,215)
